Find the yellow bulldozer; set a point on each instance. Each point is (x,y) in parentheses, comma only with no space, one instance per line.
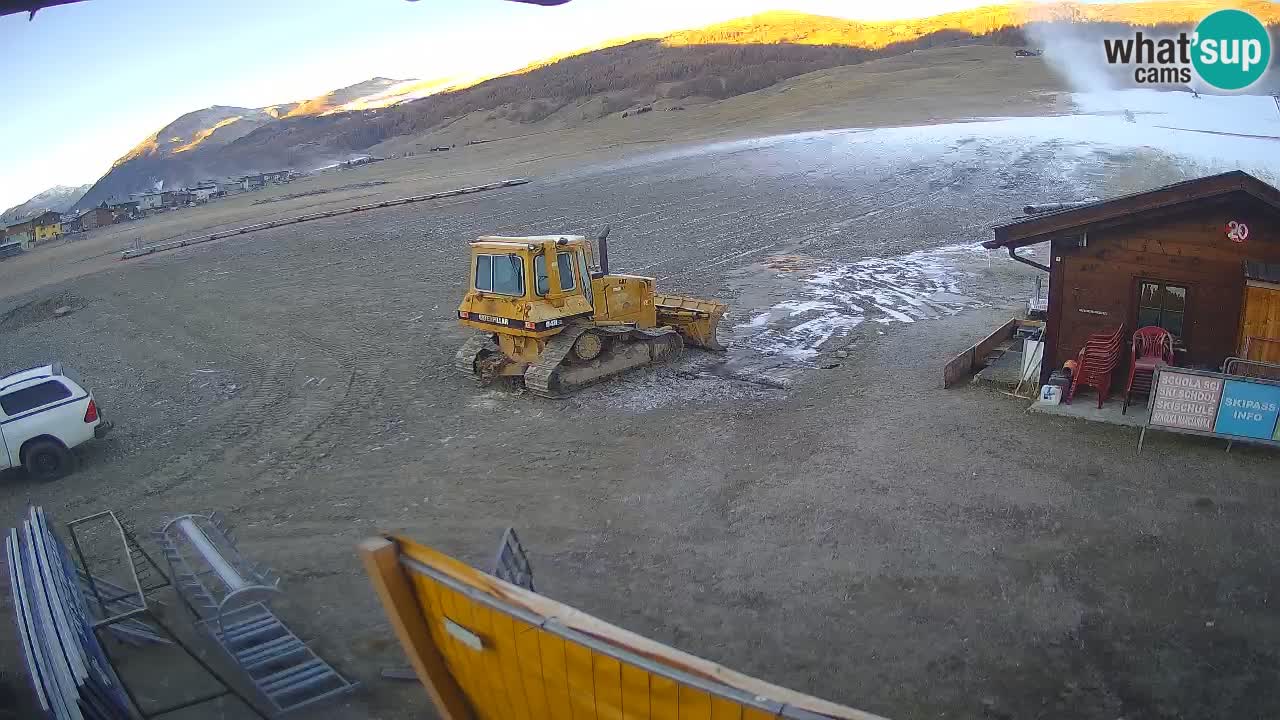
(550,317)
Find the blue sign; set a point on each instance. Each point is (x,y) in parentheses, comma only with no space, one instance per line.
(1248,410)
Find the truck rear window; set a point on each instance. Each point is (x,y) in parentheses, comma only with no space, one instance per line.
(29,398)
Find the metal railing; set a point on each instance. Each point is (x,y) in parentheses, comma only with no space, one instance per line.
(1245,367)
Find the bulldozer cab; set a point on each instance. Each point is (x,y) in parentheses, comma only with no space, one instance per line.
(500,266)
(571,269)
(528,285)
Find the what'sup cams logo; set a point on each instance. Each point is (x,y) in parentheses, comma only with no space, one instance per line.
(1229,50)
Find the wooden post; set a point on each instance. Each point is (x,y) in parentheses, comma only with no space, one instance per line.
(381,561)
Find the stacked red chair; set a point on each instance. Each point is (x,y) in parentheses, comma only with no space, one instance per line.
(1152,348)
(1096,363)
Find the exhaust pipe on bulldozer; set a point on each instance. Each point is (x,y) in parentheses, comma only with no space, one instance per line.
(603,241)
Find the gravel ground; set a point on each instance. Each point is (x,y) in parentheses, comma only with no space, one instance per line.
(861,535)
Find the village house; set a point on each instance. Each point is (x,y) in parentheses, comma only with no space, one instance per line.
(257,181)
(10,248)
(23,233)
(71,223)
(1200,259)
(125,210)
(148,200)
(202,192)
(96,217)
(46,226)
(160,199)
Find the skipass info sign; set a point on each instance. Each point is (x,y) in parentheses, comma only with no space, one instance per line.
(1214,404)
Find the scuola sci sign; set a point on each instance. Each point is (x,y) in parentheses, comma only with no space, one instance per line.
(1206,403)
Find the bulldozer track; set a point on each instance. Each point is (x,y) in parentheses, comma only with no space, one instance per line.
(465,360)
(540,376)
(537,379)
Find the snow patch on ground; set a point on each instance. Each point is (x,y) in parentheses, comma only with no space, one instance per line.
(1177,123)
(839,297)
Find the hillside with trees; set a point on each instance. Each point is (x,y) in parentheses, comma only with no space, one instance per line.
(712,63)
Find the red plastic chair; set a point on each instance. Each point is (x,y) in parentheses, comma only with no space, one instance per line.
(1096,363)
(1152,348)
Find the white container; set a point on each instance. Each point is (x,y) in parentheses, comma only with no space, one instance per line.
(1050,395)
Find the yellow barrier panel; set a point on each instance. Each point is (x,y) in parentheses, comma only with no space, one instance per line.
(485,649)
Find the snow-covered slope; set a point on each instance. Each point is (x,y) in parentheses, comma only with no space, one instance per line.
(58,197)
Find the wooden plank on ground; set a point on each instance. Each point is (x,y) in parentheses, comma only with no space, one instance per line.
(381,562)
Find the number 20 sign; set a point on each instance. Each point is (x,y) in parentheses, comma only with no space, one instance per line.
(1237,231)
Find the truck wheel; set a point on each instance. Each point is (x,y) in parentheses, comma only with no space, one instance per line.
(47,460)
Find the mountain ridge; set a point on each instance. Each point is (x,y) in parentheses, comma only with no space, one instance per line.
(60,198)
(713,62)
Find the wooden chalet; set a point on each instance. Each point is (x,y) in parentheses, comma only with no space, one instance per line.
(1199,258)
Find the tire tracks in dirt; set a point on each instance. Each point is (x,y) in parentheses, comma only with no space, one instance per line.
(268,391)
(327,424)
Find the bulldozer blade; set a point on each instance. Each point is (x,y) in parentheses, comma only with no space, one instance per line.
(695,319)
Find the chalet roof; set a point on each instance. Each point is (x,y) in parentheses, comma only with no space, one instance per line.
(1040,228)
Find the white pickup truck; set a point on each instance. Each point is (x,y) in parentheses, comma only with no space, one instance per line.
(43,414)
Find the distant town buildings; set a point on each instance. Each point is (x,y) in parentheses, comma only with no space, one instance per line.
(203,192)
(126,210)
(161,199)
(357,162)
(49,225)
(43,227)
(258,181)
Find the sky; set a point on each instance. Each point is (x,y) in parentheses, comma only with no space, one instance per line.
(84,83)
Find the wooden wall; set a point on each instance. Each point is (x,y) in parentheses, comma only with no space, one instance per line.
(1095,288)
(1261,321)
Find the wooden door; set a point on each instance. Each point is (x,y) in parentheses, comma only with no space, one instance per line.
(1260,322)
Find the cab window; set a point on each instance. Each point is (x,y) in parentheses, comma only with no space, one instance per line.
(30,398)
(500,274)
(564,262)
(586,275)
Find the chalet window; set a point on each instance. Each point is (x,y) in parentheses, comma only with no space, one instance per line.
(1162,305)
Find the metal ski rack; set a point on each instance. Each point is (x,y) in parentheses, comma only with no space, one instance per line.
(208,570)
(228,593)
(130,604)
(278,663)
